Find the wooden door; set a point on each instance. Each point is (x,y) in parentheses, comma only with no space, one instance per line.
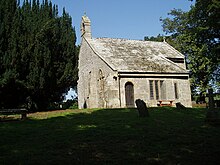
(129,94)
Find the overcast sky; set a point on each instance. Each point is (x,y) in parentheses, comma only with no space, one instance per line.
(130,19)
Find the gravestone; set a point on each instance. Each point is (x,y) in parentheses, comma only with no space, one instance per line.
(211,99)
(212,115)
(180,106)
(218,103)
(142,108)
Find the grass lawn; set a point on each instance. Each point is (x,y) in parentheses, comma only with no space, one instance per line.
(111,136)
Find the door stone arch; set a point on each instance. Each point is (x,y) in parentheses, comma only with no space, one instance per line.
(129,94)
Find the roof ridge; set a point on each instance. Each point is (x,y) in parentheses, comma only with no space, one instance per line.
(127,39)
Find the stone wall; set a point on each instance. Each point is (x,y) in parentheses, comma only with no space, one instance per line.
(98,83)
(142,91)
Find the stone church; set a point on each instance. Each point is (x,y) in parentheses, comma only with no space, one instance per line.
(113,73)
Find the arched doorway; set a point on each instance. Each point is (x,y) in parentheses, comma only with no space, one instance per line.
(129,94)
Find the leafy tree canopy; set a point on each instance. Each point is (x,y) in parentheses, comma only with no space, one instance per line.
(38,56)
(196,34)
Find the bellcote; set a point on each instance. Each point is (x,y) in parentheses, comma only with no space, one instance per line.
(86,27)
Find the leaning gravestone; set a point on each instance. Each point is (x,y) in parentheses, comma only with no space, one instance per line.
(180,106)
(142,108)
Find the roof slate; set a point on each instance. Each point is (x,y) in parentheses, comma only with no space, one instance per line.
(137,56)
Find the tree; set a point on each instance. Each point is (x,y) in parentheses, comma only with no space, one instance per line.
(7,72)
(197,35)
(158,38)
(39,58)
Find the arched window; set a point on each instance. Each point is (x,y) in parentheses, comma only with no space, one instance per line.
(101,89)
(89,82)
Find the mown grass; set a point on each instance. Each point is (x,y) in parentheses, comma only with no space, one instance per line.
(111,136)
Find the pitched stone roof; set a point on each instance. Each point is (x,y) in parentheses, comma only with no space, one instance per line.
(137,56)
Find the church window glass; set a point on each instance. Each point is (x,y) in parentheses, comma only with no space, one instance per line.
(157,89)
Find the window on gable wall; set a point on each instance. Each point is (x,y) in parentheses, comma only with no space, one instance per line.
(157,89)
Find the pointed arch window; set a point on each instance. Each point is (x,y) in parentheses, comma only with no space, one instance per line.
(101,89)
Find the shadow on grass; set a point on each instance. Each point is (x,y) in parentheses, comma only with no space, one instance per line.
(116,136)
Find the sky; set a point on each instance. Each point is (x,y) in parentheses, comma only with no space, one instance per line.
(129,19)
